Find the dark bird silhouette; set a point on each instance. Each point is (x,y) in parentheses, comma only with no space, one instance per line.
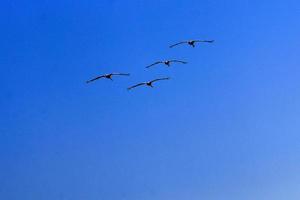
(149,83)
(191,42)
(167,62)
(108,76)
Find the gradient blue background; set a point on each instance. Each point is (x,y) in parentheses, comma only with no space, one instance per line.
(226,126)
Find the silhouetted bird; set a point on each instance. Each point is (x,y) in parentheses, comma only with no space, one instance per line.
(191,42)
(108,76)
(167,62)
(149,83)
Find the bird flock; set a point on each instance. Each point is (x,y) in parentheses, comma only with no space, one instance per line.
(167,63)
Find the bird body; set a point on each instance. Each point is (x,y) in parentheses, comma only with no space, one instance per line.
(191,42)
(107,76)
(149,83)
(167,62)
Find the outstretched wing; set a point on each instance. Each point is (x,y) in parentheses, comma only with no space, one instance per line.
(159,79)
(208,41)
(183,42)
(120,74)
(158,62)
(135,86)
(95,79)
(178,61)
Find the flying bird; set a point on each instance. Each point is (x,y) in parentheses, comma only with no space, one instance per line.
(191,42)
(108,76)
(167,62)
(149,83)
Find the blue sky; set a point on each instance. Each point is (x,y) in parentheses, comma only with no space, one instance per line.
(226,126)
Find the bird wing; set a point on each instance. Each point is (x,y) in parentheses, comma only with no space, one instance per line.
(135,86)
(179,61)
(209,41)
(173,45)
(158,62)
(95,78)
(120,74)
(159,79)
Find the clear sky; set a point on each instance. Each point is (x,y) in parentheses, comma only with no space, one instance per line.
(226,126)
